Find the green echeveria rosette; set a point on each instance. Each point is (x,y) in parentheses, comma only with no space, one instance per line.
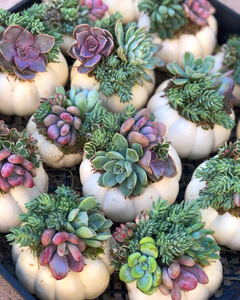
(168,16)
(165,249)
(27,44)
(61,230)
(18,158)
(200,97)
(121,58)
(120,167)
(60,117)
(232,57)
(222,176)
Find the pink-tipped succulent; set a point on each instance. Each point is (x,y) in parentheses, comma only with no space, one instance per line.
(198,11)
(91,44)
(149,134)
(15,170)
(124,232)
(96,8)
(63,125)
(62,252)
(24,53)
(182,274)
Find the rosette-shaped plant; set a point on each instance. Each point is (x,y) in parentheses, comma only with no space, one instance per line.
(201,97)
(96,8)
(168,16)
(120,167)
(198,11)
(18,158)
(164,250)
(24,53)
(65,228)
(92,43)
(149,135)
(136,48)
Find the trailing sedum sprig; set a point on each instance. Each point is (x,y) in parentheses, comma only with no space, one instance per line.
(222,176)
(65,228)
(200,97)
(162,249)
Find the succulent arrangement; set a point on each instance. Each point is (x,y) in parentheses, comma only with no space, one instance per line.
(232,57)
(18,158)
(27,44)
(170,16)
(65,15)
(118,56)
(221,174)
(61,230)
(165,249)
(200,97)
(134,156)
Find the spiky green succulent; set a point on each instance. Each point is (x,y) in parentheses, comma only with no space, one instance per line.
(222,176)
(200,97)
(32,20)
(232,57)
(64,211)
(120,167)
(169,236)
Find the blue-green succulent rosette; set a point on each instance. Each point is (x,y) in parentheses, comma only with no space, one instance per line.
(165,249)
(117,56)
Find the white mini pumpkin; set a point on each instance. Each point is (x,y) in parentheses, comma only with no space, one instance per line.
(22,98)
(119,208)
(218,64)
(238,130)
(127,8)
(13,202)
(38,280)
(201,292)
(201,44)
(50,153)
(226,226)
(140,95)
(189,140)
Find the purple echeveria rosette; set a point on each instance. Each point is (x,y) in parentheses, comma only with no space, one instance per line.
(92,43)
(24,53)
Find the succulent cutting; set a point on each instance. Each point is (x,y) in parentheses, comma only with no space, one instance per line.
(232,57)
(27,44)
(165,249)
(221,174)
(65,15)
(61,230)
(170,16)
(118,56)
(200,97)
(18,158)
(132,157)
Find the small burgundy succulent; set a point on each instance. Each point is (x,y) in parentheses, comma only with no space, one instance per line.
(62,252)
(124,232)
(96,8)
(91,44)
(63,125)
(24,53)
(15,170)
(198,11)
(148,134)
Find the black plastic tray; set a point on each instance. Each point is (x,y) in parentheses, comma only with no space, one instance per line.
(23,5)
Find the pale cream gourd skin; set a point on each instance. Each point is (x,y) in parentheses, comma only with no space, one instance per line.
(201,44)
(226,226)
(50,153)
(140,95)
(218,64)
(22,98)
(201,292)
(189,140)
(238,130)
(123,209)
(38,280)
(13,202)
